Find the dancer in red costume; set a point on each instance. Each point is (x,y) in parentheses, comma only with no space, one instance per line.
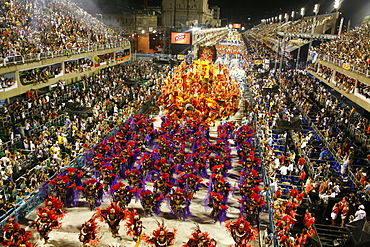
(13,235)
(55,204)
(112,215)
(46,222)
(134,225)
(241,231)
(200,239)
(92,191)
(161,237)
(88,233)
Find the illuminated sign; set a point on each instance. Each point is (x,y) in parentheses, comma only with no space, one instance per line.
(180,57)
(180,38)
(237,25)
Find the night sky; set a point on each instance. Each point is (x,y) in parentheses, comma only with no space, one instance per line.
(241,10)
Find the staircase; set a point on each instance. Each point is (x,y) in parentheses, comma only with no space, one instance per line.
(332,235)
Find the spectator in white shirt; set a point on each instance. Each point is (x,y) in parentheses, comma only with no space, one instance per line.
(284,170)
(360,213)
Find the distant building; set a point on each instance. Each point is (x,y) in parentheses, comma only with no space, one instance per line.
(131,22)
(177,13)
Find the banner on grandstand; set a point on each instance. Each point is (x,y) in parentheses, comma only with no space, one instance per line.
(207,53)
(180,38)
(123,56)
(346,66)
(314,55)
(258,61)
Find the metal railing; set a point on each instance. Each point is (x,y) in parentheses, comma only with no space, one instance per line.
(29,203)
(328,145)
(33,57)
(354,68)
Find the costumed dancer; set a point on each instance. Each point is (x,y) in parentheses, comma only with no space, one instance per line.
(134,178)
(46,222)
(200,239)
(108,177)
(220,185)
(190,183)
(13,235)
(161,237)
(55,204)
(145,165)
(216,202)
(112,215)
(134,225)
(151,202)
(122,194)
(64,189)
(88,233)
(92,191)
(179,203)
(74,175)
(163,184)
(241,231)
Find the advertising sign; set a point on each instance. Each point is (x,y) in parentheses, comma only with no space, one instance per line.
(180,38)
(180,57)
(237,25)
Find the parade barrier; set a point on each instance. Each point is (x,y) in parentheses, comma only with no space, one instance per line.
(151,57)
(28,204)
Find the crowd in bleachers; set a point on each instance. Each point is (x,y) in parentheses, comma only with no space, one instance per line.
(39,75)
(33,27)
(291,183)
(79,65)
(45,148)
(345,83)
(350,47)
(364,89)
(311,168)
(6,82)
(325,72)
(305,25)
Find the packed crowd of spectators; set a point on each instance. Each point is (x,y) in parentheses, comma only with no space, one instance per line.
(332,117)
(80,65)
(364,89)
(345,83)
(51,147)
(295,180)
(306,174)
(6,81)
(325,72)
(32,27)
(39,75)
(349,48)
(104,58)
(305,25)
